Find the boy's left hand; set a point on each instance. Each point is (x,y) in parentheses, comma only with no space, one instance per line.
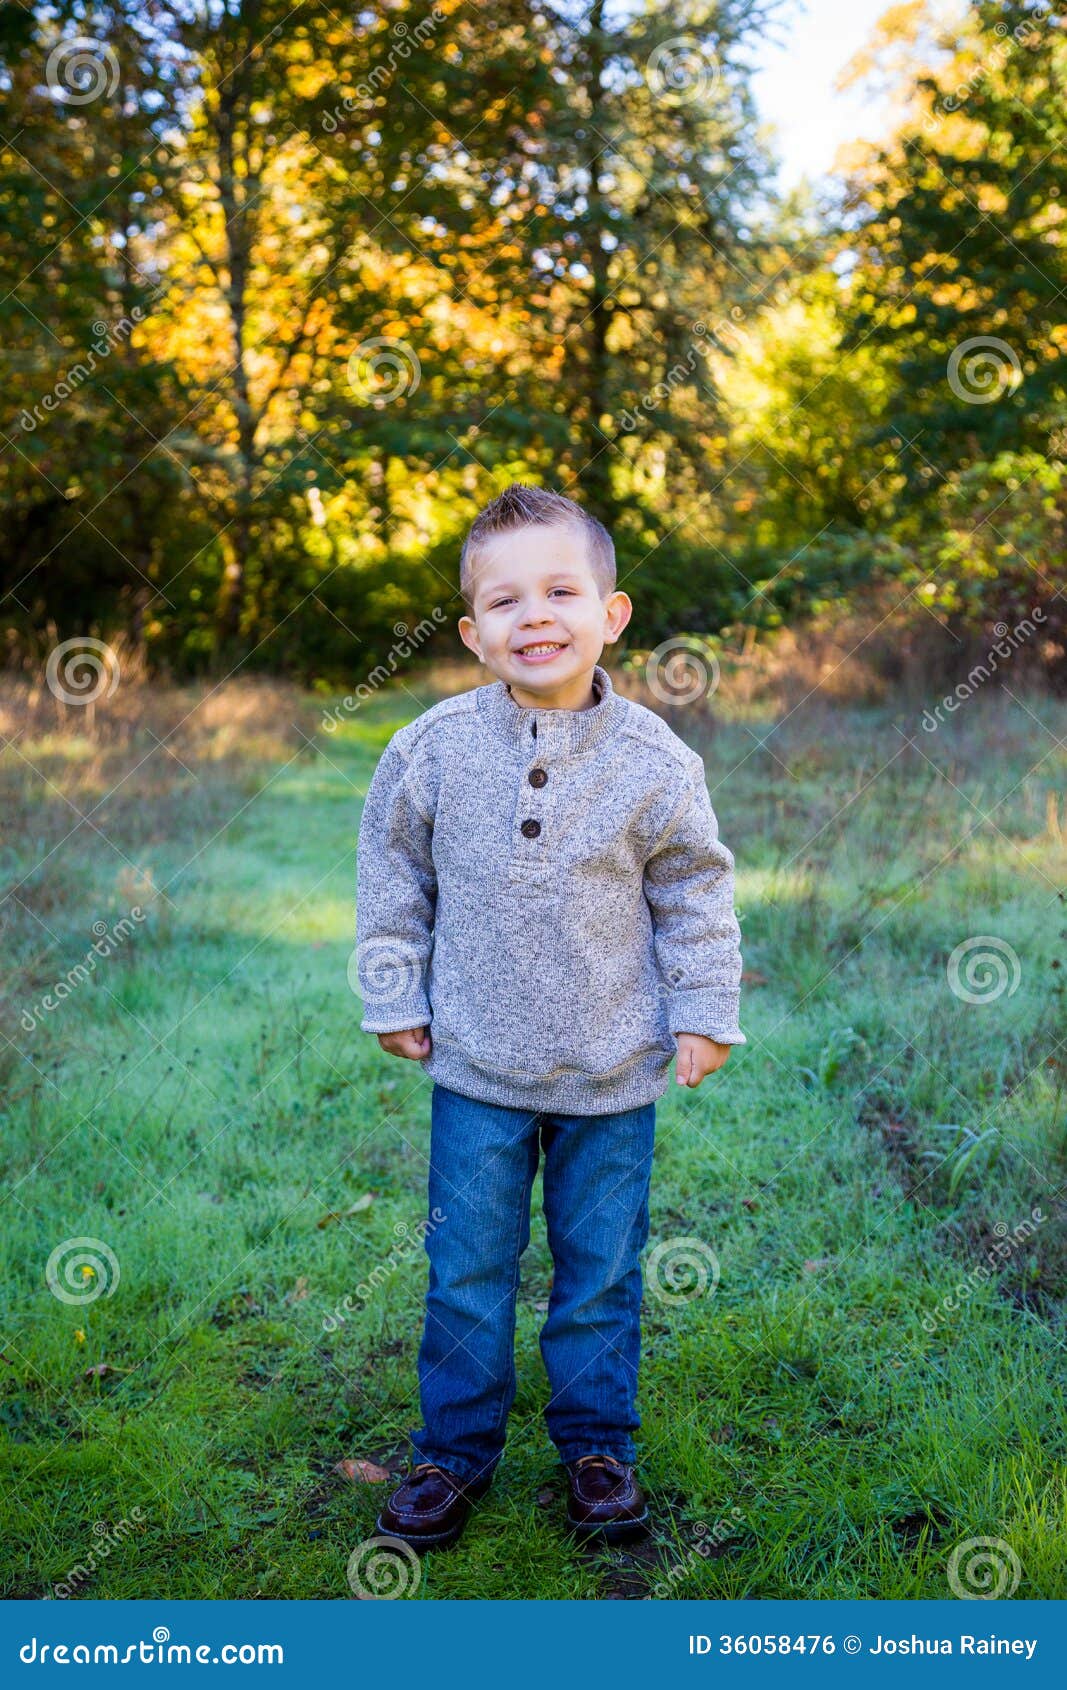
(698,1057)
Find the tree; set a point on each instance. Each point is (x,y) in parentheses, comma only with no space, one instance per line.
(962,265)
(365,267)
(80,161)
(653,180)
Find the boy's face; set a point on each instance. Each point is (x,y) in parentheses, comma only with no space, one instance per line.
(539,621)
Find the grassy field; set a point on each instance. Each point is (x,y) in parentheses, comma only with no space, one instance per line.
(875,1382)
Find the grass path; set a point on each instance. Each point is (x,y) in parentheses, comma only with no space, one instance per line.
(876,1380)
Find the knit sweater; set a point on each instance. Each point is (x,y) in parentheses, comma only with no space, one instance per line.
(546,891)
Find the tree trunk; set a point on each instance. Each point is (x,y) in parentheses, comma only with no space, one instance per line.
(595,473)
(235,203)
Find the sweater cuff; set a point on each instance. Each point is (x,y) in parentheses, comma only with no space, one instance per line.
(711,1012)
(396,1015)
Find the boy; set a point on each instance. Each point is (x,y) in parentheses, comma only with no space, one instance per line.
(545,918)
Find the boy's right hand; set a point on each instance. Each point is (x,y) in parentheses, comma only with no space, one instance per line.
(413,1042)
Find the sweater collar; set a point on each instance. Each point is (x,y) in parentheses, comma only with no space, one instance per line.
(559,733)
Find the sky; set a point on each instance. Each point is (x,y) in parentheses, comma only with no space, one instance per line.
(794,86)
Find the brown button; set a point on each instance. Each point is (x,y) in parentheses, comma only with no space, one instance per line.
(537,777)
(531,828)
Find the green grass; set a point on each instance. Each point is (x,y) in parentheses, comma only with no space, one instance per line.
(207,1099)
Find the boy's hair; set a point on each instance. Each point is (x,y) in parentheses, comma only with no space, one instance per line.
(521,506)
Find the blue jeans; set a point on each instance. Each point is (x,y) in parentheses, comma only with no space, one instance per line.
(483,1159)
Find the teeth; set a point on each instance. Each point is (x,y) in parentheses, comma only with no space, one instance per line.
(554,645)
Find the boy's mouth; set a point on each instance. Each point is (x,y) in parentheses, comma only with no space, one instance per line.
(540,651)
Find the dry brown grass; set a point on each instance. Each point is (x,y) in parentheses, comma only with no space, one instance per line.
(86,791)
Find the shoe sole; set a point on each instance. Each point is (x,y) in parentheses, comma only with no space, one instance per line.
(421,1540)
(610,1531)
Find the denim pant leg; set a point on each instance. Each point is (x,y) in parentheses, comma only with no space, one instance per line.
(596,1185)
(483,1160)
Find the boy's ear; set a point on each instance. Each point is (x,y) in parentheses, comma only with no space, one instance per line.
(618,609)
(468,633)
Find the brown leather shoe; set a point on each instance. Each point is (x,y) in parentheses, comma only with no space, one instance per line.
(606,1500)
(429,1508)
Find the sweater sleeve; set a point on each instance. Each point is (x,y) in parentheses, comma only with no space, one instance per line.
(396,896)
(689,885)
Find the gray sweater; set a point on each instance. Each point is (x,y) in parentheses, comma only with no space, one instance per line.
(547,892)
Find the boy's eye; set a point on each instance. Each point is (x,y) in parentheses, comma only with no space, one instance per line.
(498,603)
